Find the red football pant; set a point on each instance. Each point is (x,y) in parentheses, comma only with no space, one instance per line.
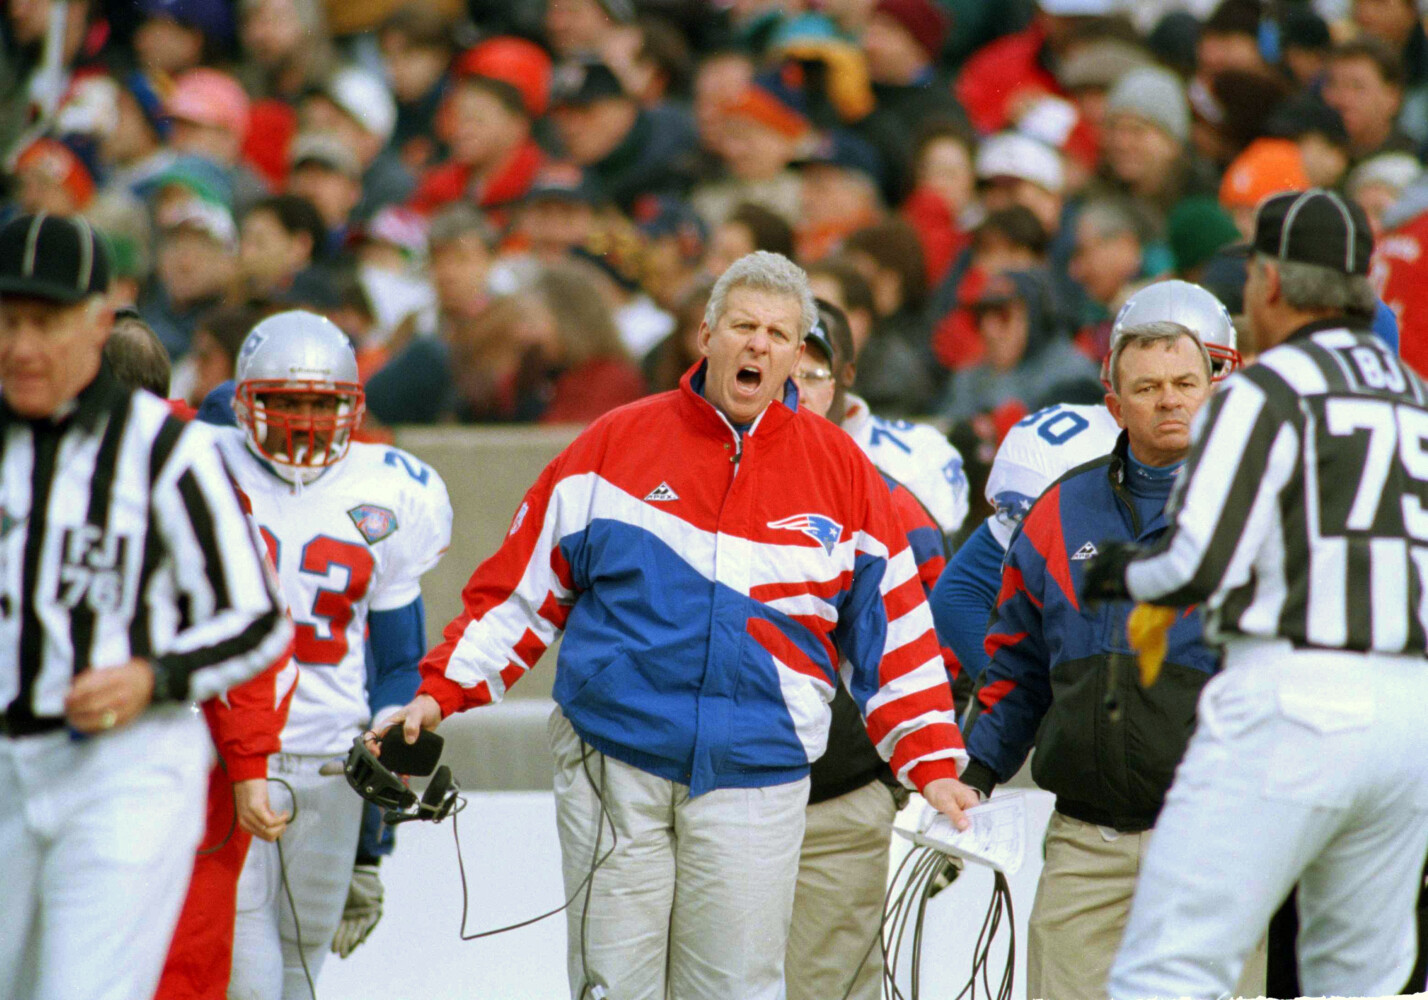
(201,956)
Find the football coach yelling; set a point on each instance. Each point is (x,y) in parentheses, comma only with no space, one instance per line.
(129,587)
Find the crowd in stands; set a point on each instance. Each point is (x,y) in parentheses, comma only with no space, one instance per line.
(516,208)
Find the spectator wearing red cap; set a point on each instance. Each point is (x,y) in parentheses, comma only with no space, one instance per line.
(760,137)
(627,150)
(355,106)
(499,88)
(53,179)
(417,47)
(210,112)
(903,42)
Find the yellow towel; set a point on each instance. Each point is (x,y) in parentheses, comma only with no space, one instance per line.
(1148,629)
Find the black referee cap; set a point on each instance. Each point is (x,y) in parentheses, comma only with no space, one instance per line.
(50,257)
(1313,227)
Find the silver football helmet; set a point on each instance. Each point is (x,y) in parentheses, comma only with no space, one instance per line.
(298,395)
(1191,306)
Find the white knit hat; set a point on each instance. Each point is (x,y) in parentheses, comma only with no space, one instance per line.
(364,96)
(1011,154)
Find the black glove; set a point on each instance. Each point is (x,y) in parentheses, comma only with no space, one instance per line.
(1104,578)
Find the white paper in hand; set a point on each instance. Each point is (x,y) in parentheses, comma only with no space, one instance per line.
(996,838)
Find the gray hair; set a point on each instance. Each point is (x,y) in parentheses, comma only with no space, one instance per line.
(1315,288)
(1161,332)
(767,272)
(1112,215)
(456,221)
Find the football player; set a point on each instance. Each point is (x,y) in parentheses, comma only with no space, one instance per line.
(1043,447)
(350,528)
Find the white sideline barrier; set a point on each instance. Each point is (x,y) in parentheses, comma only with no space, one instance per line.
(500,748)
(512,858)
(513,872)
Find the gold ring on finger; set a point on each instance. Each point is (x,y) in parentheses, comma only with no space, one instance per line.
(107,720)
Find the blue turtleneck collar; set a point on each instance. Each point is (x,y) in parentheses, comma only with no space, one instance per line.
(1150,481)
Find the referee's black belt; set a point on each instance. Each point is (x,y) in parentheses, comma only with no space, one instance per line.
(23,724)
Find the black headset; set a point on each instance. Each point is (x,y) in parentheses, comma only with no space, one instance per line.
(383,787)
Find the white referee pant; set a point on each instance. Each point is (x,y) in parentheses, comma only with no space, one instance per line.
(1309,767)
(695,901)
(97,840)
(319,850)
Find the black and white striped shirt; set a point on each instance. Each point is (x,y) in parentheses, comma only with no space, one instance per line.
(1303,509)
(121,536)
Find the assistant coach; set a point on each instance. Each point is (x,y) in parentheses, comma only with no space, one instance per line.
(716,558)
(129,587)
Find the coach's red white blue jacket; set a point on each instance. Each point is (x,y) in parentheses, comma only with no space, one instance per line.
(707,583)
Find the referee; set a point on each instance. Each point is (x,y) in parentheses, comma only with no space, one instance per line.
(1302,525)
(129,586)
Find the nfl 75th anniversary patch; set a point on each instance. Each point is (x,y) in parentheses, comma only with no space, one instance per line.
(375,523)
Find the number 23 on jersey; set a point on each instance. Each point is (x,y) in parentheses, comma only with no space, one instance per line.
(324,558)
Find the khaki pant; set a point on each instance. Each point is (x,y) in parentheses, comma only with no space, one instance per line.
(693,902)
(1081,909)
(838,906)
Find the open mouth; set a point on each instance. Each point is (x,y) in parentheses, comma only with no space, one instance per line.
(750,378)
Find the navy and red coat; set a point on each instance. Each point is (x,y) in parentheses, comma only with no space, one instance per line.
(1064,677)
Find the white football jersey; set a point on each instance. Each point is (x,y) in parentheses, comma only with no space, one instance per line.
(356,540)
(1039,450)
(919,457)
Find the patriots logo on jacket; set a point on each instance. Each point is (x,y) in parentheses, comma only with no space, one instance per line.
(1013,506)
(823,530)
(375,523)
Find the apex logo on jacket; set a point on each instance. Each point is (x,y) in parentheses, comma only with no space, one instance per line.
(1087,551)
(823,530)
(662,494)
